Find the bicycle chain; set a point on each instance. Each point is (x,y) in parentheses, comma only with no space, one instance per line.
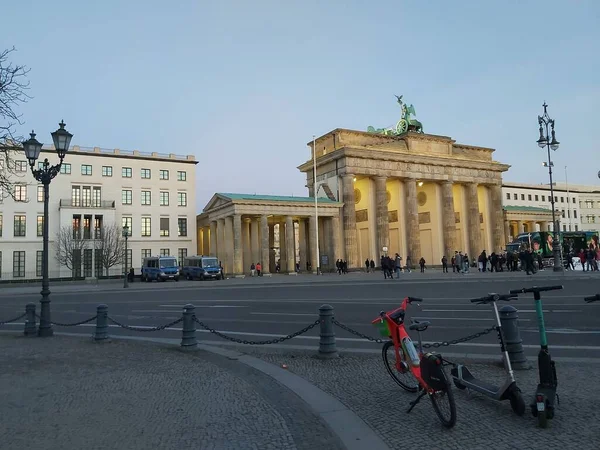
(267,342)
(13,320)
(58,324)
(132,328)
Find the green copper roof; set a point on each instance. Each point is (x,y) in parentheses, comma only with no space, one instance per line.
(275,198)
(526,208)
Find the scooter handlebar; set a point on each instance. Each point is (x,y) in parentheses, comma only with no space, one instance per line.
(494,298)
(592,298)
(535,289)
(414,299)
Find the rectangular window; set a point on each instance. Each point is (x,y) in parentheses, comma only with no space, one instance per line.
(182,199)
(129,260)
(40,226)
(522,196)
(97,197)
(146,226)
(181,175)
(555,199)
(20,193)
(568,214)
(65,168)
(575,214)
(564,228)
(20,166)
(164,199)
(40,194)
(181,255)
(562,199)
(87,262)
(563,213)
(529,197)
(97,227)
(576,227)
(87,227)
(40,165)
(163,174)
(98,262)
(146,174)
(107,171)
(39,255)
(165,252)
(127,222)
(76,227)
(536,198)
(86,169)
(126,196)
(164,226)
(20,226)
(126,172)
(19,264)
(0,229)
(543,198)
(146,253)
(181,226)
(515,196)
(0,264)
(75,196)
(86,196)
(508,196)
(146,197)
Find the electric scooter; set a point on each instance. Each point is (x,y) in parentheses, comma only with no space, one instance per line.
(593,298)
(542,406)
(508,390)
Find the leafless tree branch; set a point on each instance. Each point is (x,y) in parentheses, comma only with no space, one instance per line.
(69,247)
(110,248)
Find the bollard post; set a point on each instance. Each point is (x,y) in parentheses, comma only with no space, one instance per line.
(188,331)
(30,320)
(101,334)
(512,338)
(327,346)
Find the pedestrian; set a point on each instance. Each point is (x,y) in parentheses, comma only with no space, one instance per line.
(397,265)
(252,269)
(466,263)
(338,266)
(408,264)
(422,264)
(221,270)
(528,256)
(453,261)
(444,264)
(258,269)
(372,266)
(367,264)
(459,263)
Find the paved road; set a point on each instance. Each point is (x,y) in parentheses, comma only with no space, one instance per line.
(258,309)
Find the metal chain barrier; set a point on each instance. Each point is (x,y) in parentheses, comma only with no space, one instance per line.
(357,333)
(58,324)
(143,329)
(13,320)
(270,341)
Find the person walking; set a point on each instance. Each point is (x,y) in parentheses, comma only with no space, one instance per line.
(422,264)
(367,264)
(372,266)
(252,269)
(258,269)
(408,264)
(397,265)
(444,264)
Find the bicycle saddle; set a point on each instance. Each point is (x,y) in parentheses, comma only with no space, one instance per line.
(419,326)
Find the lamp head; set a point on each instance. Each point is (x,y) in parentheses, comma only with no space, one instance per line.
(62,140)
(32,148)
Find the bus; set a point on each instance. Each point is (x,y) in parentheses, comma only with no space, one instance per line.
(201,267)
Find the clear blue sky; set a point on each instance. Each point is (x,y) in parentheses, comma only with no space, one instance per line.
(244,85)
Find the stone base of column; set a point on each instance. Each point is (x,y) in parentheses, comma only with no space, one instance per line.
(239,276)
(292,273)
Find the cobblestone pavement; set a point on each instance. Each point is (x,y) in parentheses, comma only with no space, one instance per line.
(70,393)
(362,384)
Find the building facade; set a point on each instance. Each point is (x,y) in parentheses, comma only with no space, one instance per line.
(153,194)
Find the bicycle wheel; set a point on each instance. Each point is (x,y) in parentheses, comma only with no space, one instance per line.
(444,406)
(405,379)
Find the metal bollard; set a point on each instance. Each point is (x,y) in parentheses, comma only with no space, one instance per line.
(30,320)
(101,334)
(327,347)
(188,331)
(512,338)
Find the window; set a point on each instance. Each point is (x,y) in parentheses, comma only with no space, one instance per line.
(126,172)
(181,227)
(97,227)
(97,197)
(86,196)
(65,168)
(165,252)
(40,194)
(87,227)
(536,198)
(98,262)
(569,214)
(181,255)
(164,226)
(20,226)
(146,226)
(127,222)
(163,174)
(126,196)
(181,175)
(564,228)
(129,259)
(515,196)
(87,262)
(0,232)
(164,199)
(75,196)
(522,196)
(563,213)
(555,199)
(562,199)
(573,199)
(20,166)
(182,199)
(146,174)
(575,214)
(39,255)
(0,264)
(508,196)
(20,193)
(107,171)
(76,227)
(576,227)
(589,204)
(86,169)
(40,226)
(146,253)
(40,165)
(19,264)
(543,198)
(146,197)
(529,197)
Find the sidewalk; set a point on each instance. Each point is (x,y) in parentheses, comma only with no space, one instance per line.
(71,393)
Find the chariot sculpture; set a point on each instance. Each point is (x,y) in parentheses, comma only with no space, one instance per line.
(405,123)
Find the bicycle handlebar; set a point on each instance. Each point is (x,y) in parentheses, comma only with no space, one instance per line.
(494,298)
(535,289)
(592,298)
(414,299)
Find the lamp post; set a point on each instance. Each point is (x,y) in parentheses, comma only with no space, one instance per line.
(548,140)
(125,235)
(45,174)
(315,192)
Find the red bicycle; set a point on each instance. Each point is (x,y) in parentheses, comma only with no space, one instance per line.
(415,371)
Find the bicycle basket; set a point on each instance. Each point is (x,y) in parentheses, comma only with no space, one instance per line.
(383,327)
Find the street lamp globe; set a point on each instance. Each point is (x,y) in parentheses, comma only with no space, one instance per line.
(125,231)
(554,144)
(32,148)
(62,140)
(541,142)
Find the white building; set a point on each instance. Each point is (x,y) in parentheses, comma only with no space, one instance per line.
(152,193)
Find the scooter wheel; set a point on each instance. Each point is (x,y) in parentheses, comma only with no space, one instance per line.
(516,402)
(542,419)
(459,385)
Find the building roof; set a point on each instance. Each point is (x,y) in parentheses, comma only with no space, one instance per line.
(559,186)
(276,198)
(526,209)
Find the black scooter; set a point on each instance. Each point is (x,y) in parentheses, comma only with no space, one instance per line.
(508,390)
(542,406)
(593,298)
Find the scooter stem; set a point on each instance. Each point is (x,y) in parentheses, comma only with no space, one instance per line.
(507,363)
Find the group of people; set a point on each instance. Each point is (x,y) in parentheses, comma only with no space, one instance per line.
(341,265)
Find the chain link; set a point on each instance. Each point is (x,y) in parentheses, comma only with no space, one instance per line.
(144,329)
(270,341)
(58,324)
(357,333)
(13,320)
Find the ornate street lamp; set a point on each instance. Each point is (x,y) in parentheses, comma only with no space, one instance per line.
(45,174)
(125,235)
(548,139)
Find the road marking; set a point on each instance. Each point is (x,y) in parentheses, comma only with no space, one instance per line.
(564,331)
(205,306)
(282,314)
(460,318)
(520,310)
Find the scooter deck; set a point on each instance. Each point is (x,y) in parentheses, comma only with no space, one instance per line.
(469,381)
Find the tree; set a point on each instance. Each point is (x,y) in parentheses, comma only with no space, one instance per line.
(69,248)
(13,87)
(110,247)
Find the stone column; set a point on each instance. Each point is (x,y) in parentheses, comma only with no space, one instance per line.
(213,238)
(290,244)
(246,245)
(264,244)
(282,248)
(413,234)
(349,213)
(206,241)
(474,225)
(238,250)
(506,231)
(255,240)
(381,214)
(448,220)
(303,244)
(335,239)
(228,236)
(497,215)
(221,248)
(272,258)
(544,226)
(314,262)
(520,227)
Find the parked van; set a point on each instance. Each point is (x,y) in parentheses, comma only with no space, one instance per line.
(160,268)
(202,267)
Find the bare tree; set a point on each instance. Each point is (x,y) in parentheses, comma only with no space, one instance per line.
(110,247)
(13,87)
(69,248)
